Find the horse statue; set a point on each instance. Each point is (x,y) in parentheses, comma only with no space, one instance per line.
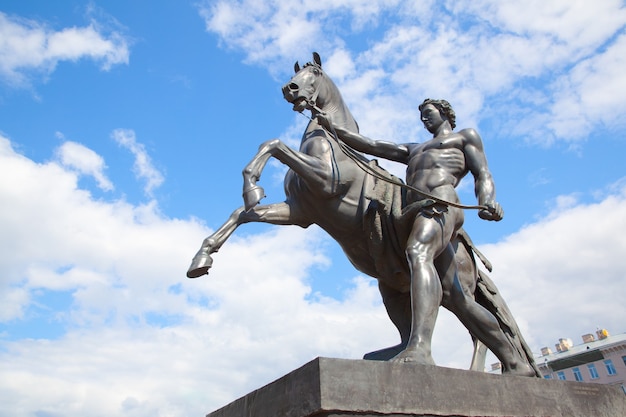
(357,203)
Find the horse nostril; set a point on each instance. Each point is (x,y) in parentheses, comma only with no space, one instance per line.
(293,87)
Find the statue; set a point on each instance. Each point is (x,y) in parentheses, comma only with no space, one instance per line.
(362,207)
(434,169)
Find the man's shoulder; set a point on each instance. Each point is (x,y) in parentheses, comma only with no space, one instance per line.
(471,136)
(412,145)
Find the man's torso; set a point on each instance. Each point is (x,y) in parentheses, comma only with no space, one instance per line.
(437,165)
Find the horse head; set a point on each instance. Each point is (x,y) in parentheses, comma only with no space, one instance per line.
(304,88)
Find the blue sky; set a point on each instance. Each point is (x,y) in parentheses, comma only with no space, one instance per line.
(123,133)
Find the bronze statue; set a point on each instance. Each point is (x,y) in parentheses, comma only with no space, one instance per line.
(434,169)
(362,207)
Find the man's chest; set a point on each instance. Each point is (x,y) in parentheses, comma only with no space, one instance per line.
(444,153)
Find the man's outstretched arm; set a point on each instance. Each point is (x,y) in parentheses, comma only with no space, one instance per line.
(380,148)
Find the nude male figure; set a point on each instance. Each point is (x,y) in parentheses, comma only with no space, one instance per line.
(437,167)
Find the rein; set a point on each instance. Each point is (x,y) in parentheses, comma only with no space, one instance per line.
(350,153)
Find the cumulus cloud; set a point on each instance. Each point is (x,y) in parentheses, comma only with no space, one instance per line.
(85,161)
(591,93)
(138,338)
(567,21)
(476,54)
(136,335)
(143,167)
(273,32)
(31,47)
(53,226)
(570,264)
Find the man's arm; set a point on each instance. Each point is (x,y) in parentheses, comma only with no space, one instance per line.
(380,148)
(484,186)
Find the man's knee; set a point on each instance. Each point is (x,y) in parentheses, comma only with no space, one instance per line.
(419,253)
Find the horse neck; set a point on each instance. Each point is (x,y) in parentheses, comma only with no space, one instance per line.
(330,102)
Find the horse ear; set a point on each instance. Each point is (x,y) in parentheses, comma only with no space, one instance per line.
(317,59)
(296,67)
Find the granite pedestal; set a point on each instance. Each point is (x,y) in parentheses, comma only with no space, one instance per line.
(328,387)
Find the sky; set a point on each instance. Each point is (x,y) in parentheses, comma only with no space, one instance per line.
(124,128)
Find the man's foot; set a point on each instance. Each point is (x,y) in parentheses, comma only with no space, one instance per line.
(413,355)
(520,370)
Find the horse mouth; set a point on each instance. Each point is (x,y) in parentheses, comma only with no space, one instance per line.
(299,104)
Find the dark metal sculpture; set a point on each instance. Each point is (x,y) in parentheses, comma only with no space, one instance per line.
(361,206)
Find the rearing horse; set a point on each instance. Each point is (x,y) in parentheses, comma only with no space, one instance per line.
(327,185)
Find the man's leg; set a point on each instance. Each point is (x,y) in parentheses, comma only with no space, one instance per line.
(423,246)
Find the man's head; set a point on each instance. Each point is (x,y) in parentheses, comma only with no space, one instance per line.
(444,108)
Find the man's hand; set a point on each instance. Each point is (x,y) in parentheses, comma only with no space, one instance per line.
(494,212)
(324,121)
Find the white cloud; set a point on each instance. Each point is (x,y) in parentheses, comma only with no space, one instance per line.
(143,164)
(137,335)
(578,23)
(139,339)
(568,265)
(473,53)
(84,160)
(273,32)
(28,46)
(550,70)
(593,92)
(52,227)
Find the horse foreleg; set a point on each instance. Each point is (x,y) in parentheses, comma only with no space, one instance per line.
(253,193)
(280,214)
(313,169)
(202,261)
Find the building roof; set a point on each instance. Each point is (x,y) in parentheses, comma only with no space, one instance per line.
(581,354)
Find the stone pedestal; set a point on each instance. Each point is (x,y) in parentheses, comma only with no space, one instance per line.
(339,387)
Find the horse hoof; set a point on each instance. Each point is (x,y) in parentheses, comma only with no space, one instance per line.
(200,266)
(252,196)
(384,354)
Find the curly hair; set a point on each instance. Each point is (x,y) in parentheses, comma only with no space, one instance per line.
(444,108)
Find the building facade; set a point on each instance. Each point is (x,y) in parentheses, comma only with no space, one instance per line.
(599,359)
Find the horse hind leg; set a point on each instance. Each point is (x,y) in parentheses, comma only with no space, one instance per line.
(398,306)
(479,356)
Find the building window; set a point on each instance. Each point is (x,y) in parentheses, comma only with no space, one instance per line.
(593,372)
(624,359)
(561,375)
(577,375)
(610,368)
(549,376)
